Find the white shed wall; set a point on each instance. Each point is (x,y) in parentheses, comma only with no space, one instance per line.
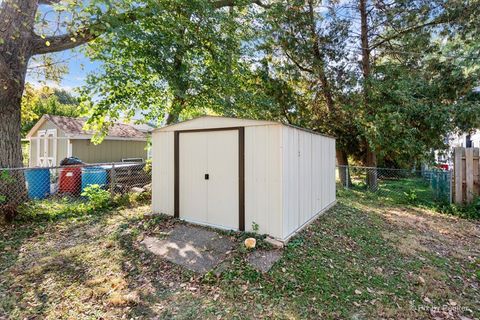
(263,179)
(308,177)
(163,172)
(263,175)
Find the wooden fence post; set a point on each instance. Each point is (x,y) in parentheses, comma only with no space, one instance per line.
(458,174)
(469,173)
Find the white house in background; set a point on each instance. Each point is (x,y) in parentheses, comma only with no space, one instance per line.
(54,138)
(466,140)
(238,173)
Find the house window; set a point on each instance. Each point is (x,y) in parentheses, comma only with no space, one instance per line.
(468,142)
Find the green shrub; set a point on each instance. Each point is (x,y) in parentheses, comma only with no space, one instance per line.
(467,211)
(412,196)
(97,197)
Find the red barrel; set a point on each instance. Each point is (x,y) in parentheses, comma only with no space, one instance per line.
(70,180)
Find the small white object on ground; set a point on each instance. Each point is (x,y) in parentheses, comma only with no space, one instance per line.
(250,243)
(137,190)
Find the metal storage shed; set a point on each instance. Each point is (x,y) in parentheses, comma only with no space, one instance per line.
(232,173)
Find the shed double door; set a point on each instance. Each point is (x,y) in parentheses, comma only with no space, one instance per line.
(209,178)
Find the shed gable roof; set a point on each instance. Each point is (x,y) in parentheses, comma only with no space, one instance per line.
(223,122)
(215,122)
(74,127)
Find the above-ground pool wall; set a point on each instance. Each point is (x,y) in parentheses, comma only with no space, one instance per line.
(308,177)
(163,172)
(263,179)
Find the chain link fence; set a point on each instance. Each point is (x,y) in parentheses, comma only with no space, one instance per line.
(397,185)
(22,185)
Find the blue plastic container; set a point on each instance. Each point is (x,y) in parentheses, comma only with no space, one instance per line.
(38,183)
(93,175)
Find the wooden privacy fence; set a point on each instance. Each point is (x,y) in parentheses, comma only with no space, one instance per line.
(466,174)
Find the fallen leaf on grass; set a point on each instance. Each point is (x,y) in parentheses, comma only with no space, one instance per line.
(452,303)
(358,291)
(427,300)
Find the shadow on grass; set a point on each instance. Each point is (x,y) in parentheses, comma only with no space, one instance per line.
(156,277)
(37,246)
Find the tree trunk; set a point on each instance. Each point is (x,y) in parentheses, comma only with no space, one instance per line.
(343,169)
(371,164)
(371,156)
(10,142)
(12,183)
(178,105)
(16,22)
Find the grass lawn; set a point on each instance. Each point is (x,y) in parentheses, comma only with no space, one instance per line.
(363,259)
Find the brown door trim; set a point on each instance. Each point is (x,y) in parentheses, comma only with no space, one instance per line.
(241,171)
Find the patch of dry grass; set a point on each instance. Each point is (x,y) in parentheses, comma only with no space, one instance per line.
(361,260)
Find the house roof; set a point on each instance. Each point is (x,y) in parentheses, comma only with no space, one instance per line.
(74,127)
(144,127)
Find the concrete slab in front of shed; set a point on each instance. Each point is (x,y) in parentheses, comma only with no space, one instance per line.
(196,249)
(264,260)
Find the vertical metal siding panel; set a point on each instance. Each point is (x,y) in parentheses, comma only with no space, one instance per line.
(285,180)
(255,166)
(289,197)
(305,177)
(250,196)
(325,167)
(302,175)
(263,179)
(308,177)
(292,180)
(316,175)
(332,155)
(162,173)
(274,178)
(287,172)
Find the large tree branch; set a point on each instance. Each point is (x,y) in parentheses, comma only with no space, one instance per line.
(298,64)
(438,21)
(42,45)
(95,29)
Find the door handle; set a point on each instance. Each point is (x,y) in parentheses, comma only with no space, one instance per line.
(207,176)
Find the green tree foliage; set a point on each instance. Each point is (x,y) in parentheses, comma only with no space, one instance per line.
(395,89)
(389,80)
(419,88)
(181,61)
(46,100)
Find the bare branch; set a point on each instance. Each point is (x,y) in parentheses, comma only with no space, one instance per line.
(48,1)
(231,3)
(298,64)
(438,21)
